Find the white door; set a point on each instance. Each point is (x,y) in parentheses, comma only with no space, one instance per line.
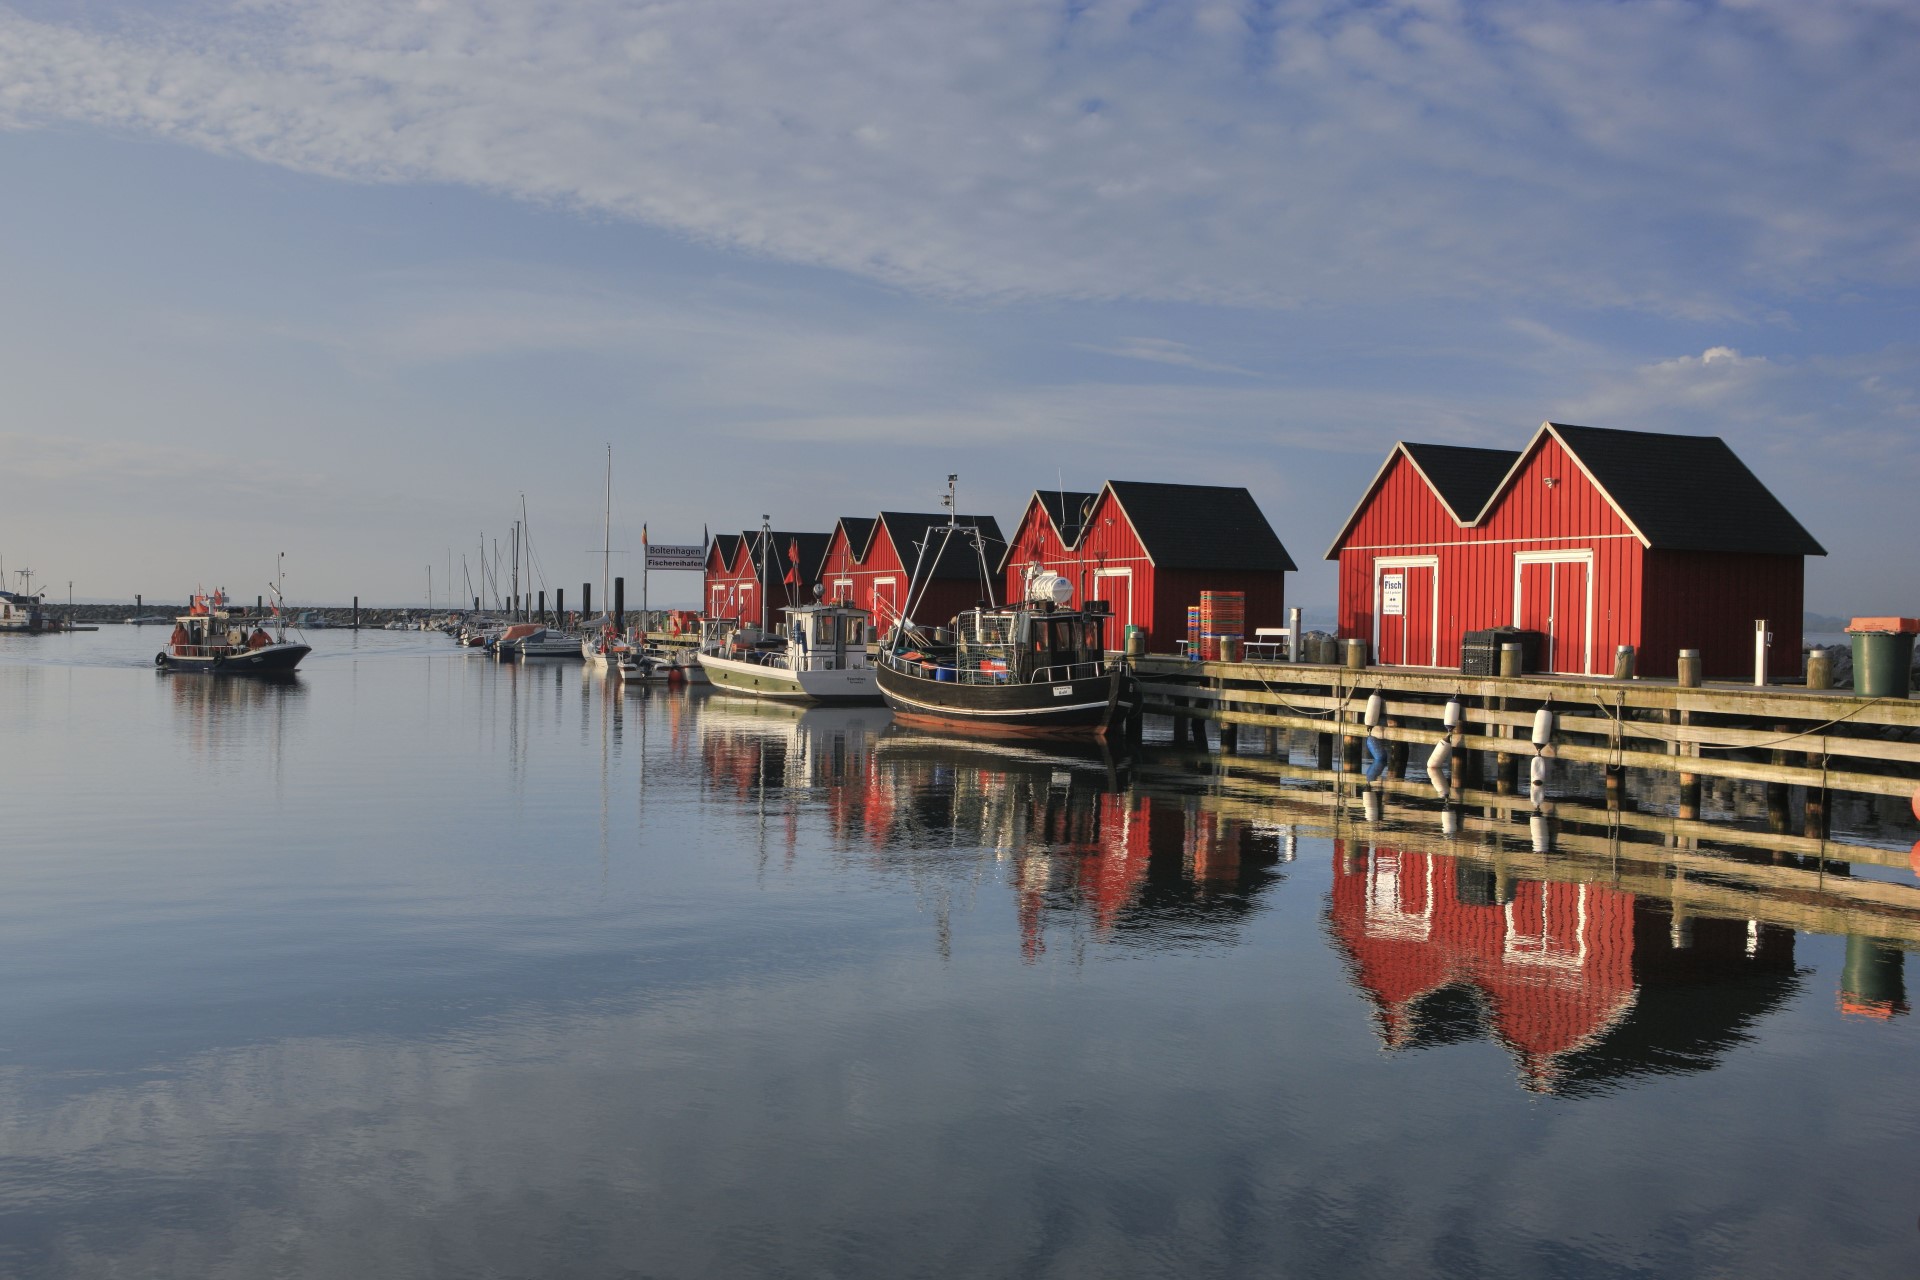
(1115,586)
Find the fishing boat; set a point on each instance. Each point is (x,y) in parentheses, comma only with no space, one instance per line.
(1035,667)
(209,638)
(822,657)
(22,611)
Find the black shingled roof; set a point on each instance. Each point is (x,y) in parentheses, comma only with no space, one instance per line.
(813,550)
(859,533)
(1687,493)
(1067,508)
(1201,526)
(957,559)
(1464,478)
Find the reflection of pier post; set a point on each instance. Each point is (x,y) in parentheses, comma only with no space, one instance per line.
(1779,810)
(1873,983)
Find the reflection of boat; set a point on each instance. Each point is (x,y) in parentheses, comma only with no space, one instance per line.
(207,638)
(1031,668)
(822,658)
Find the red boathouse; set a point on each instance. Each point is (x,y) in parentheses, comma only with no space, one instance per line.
(749,571)
(869,563)
(1592,538)
(1149,550)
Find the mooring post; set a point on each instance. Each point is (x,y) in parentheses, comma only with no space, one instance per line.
(1623,662)
(1687,672)
(1779,809)
(1356,653)
(619,604)
(1819,669)
(356,613)
(560,604)
(586,599)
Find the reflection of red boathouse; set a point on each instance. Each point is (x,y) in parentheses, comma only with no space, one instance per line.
(1579,981)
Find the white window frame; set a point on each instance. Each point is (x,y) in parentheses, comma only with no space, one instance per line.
(1559,557)
(1380,566)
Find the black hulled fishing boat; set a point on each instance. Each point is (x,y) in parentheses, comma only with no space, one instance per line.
(210,638)
(1034,667)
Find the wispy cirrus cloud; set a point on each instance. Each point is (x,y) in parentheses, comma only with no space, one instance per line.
(1683,159)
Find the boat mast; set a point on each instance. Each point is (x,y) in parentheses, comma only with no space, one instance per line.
(766,569)
(606,541)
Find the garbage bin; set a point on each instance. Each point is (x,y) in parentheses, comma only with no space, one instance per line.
(1882,663)
(1136,641)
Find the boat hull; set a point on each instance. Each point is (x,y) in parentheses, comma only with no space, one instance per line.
(778,684)
(270,660)
(1089,707)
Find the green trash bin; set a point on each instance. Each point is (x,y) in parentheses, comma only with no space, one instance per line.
(1882,663)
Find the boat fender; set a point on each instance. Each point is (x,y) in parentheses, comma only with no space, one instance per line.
(1537,770)
(1452,716)
(1542,727)
(1442,755)
(1376,711)
(160,658)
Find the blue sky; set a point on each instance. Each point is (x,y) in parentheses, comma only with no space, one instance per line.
(343,278)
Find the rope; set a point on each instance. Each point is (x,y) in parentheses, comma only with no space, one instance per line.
(1620,722)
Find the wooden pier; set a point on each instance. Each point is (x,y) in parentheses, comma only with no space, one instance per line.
(1781,735)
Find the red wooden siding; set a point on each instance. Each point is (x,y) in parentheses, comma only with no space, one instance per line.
(1476,573)
(1709,600)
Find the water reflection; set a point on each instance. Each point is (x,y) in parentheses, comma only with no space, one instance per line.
(1583,983)
(220,718)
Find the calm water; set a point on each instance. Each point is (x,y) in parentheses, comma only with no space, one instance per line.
(424,966)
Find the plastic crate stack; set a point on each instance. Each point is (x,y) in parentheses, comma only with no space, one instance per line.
(1223,616)
(1193,631)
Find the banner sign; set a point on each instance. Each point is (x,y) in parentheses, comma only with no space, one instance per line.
(661,556)
(1393,594)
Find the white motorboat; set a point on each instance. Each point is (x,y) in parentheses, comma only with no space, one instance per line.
(531,640)
(821,658)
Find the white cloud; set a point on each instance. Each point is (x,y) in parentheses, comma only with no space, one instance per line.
(1657,156)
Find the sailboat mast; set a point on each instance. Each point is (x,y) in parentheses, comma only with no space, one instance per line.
(606,551)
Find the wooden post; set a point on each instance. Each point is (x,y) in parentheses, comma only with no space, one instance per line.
(560,604)
(619,604)
(1623,662)
(586,599)
(356,613)
(542,614)
(1779,811)
(1820,669)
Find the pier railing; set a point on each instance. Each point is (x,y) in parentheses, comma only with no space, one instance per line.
(1830,740)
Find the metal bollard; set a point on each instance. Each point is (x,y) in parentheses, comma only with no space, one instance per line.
(1688,676)
(1510,659)
(1623,662)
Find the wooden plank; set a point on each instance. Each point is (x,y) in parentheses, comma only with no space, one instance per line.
(1770,702)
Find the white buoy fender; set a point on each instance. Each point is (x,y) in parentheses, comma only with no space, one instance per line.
(1537,770)
(1439,782)
(1542,727)
(1442,755)
(1371,806)
(1449,823)
(1542,838)
(1536,795)
(1453,715)
(1376,710)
